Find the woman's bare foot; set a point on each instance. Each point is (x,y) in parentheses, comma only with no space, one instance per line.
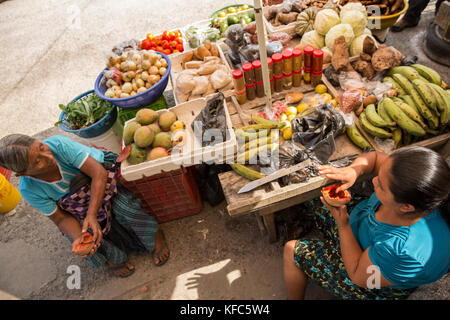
(161,253)
(122,270)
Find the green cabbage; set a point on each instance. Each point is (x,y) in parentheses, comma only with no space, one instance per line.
(337,31)
(314,39)
(357,20)
(353,6)
(325,20)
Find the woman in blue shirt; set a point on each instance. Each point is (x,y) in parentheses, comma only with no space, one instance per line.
(75,186)
(391,243)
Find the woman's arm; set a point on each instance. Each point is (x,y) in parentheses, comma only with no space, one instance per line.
(367,163)
(98,174)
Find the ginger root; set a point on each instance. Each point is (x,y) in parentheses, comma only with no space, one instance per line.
(386,57)
(340,59)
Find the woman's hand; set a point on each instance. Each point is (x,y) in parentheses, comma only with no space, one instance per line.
(90,222)
(347,175)
(339,214)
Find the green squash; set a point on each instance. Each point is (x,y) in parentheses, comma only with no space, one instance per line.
(305,21)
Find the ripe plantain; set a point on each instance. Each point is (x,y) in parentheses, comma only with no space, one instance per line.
(425,92)
(260,120)
(428,73)
(246,172)
(395,85)
(374,118)
(406,71)
(426,113)
(410,112)
(357,138)
(371,129)
(403,82)
(402,119)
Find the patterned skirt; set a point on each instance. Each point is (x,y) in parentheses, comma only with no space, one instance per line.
(127,227)
(322,262)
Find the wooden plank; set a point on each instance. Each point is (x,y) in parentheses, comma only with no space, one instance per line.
(241,115)
(269,222)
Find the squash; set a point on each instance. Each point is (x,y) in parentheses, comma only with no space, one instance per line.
(305,21)
(334,198)
(85,245)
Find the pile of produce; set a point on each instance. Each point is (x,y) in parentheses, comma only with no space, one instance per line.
(132,72)
(385,7)
(152,135)
(168,42)
(320,29)
(195,37)
(231,16)
(85,111)
(420,110)
(284,13)
(204,74)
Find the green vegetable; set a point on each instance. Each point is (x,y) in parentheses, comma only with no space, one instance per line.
(223,26)
(85,112)
(211,34)
(232,19)
(245,19)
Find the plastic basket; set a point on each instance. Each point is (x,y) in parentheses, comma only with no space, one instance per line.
(94,130)
(5,172)
(140,99)
(169,195)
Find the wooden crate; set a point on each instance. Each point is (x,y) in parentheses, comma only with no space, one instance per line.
(192,152)
(177,68)
(271,29)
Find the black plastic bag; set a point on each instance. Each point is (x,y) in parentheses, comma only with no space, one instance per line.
(209,183)
(316,132)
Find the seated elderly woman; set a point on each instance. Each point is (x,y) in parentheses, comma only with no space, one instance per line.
(76,187)
(391,243)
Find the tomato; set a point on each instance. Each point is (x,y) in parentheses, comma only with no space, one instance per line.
(158,39)
(152,43)
(145,44)
(165,44)
(167,51)
(150,36)
(173,44)
(180,47)
(165,35)
(159,48)
(179,40)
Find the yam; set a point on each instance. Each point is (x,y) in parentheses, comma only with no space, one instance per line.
(200,85)
(203,52)
(214,50)
(220,79)
(386,57)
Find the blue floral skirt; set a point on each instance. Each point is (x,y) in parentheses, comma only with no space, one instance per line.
(322,262)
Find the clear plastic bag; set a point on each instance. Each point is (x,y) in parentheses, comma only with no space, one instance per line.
(274,47)
(350,100)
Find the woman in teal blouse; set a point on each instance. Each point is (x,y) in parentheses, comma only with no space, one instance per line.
(391,243)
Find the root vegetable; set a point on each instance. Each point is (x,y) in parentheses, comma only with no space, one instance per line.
(286,18)
(162,71)
(340,59)
(386,57)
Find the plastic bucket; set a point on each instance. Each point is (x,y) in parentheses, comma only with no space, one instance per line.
(108,141)
(9,195)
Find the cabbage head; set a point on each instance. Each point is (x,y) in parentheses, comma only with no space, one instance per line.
(353,6)
(325,20)
(357,20)
(314,39)
(337,31)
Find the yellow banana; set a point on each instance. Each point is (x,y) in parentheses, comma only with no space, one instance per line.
(425,92)
(246,172)
(357,138)
(410,112)
(402,119)
(251,153)
(406,71)
(428,73)
(260,120)
(371,129)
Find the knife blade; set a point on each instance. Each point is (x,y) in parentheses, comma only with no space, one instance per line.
(276,175)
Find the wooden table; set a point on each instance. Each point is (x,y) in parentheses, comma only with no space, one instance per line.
(266,200)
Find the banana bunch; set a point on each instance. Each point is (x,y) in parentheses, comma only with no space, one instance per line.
(422,107)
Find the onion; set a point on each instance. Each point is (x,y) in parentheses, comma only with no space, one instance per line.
(127,87)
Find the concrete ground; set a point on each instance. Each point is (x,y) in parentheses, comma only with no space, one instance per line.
(51,52)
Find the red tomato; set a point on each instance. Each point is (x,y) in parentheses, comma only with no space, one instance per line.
(173,44)
(165,35)
(178,33)
(171,36)
(167,51)
(158,39)
(152,43)
(165,44)
(179,40)
(180,47)
(145,44)
(159,48)
(150,36)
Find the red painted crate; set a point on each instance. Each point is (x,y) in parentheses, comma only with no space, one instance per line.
(168,195)
(5,172)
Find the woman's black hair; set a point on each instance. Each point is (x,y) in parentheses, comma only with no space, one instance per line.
(420,177)
(14,152)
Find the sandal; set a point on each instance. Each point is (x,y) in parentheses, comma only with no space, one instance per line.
(122,266)
(159,253)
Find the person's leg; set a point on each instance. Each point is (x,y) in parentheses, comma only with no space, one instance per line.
(412,15)
(294,277)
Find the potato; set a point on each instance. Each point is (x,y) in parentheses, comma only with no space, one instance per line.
(146,64)
(203,52)
(153,70)
(214,50)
